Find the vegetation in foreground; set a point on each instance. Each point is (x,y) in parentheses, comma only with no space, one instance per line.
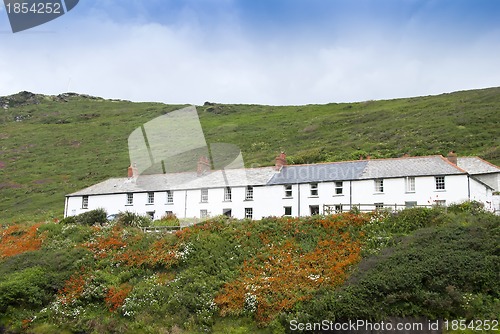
(51,146)
(247,276)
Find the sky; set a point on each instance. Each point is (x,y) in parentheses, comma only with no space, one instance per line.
(274,52)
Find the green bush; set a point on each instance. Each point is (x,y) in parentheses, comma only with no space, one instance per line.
(70,220)
(167,220)
(449,271)
(132,219)
(89,218)
(25,288)
(473,207)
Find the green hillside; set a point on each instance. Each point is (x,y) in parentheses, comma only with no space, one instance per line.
(54,145)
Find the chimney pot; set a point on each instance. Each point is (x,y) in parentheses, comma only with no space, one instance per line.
(452,157)
(133,171)
(203,165)
(280,161)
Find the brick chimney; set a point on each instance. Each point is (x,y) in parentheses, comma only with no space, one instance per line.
(452,157)
(203,165)
(132,171)
(280,161)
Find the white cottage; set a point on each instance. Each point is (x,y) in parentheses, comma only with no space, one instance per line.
(295,190)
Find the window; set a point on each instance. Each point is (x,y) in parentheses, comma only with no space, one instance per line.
(169,213)
(410,204)
(410,184)
(227,212)
(85,202)
(151,214)
(338,188)
(288,210)
(204,195)
(379,186)
(288,190)
(170,196)
(151,198)
(379,206)
(314,189)
(338,208)
(249,193)
(227,194)
(440,202)
(314,209)
(440,183)
(130,199)
(203,213)
(248,213)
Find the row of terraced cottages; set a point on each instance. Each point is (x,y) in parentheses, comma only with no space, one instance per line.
(296,190)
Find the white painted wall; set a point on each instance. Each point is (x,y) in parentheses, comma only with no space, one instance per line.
(271,200)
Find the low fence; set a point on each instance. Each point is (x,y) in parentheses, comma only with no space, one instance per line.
(338,208)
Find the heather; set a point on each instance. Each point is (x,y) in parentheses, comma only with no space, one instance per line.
(226,275)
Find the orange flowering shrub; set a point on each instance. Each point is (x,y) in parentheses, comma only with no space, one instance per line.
(121,248)
(73,288)
(116,296)
(17,239)
(282,274)
(105,244)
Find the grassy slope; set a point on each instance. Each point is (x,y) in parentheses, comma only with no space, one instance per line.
(60,146)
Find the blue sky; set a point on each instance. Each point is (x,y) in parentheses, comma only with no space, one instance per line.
(257,51)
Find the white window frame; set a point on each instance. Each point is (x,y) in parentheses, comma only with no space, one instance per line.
(227,194)
(379,206)
(314,189)
(410,204)
(204,195)
(440,202)
(249,193)
(130,198)
(170,196)
(311,210)
(339,188)
(338,208)
(440,182)
(249,213)
(410,184)
(151,198)
(85,202)
(288,191)
(203,213)
(285,208)
(379,186)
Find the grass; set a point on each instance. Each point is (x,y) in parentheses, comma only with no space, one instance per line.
(51,146)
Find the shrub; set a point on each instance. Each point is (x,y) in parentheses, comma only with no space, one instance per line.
(97,216)
(167,220)
(70,220)
(449,271)
(132,219)
(24,288)
(473,207)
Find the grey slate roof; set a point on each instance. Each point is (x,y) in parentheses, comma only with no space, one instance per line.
(475,165)
(178,181)
(410,166)
(366,169)
(335,171)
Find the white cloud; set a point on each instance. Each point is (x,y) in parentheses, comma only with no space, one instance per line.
(152,62)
